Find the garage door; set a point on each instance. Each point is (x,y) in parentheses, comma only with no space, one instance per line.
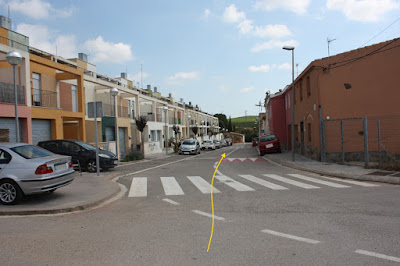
(7,130)
(41,130)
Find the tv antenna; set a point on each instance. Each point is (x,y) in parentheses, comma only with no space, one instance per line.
(259,105)
(329,41)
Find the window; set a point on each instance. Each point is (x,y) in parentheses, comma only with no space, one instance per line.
(308,86)
(309,132)
(37,89)
(158,135)
(152,135)
(31,152)
(74,99)
(5,157)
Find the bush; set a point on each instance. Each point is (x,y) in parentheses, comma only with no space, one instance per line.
(133,155)
(172,142)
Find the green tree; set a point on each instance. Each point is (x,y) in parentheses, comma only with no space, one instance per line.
(223,122)
(230,124)
(141,123)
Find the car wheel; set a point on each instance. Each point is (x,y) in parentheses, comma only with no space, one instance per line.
(199,152)
(91,166)
(10,192)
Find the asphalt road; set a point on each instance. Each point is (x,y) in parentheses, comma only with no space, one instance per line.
(265,214)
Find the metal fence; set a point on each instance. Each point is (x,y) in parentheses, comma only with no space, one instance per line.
(365,139)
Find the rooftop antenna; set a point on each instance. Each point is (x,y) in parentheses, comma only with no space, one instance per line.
(259,105)
(141,74)
(329,41)
(297,69)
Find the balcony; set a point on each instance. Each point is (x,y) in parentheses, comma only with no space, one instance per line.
(108,110)
(7,93)
(44,98)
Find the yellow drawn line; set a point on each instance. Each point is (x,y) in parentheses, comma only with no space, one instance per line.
(212,202)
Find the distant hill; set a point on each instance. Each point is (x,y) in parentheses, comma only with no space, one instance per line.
(244,121)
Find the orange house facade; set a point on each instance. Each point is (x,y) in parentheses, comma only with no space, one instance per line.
(347,94)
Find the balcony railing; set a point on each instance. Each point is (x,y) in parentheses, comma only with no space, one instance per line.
(44,98)
(7,94)
(108,110)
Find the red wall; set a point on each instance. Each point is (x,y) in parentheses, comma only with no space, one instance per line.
(277,117)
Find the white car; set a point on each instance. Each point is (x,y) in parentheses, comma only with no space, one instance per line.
(208,144)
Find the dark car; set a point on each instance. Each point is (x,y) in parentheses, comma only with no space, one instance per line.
(268,143)
(82,152)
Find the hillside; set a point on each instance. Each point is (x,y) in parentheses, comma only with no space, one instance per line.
(244,121)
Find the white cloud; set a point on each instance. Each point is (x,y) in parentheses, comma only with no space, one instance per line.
(38,9)
(223,88)
(108,52)
(262,68)
(246,26)
(44,39)
(232,15)
(138,77)
(272,31)
(245,90)
(363,10)
(181,76)
(285,66)
(273,44)
(297,6)
(206,13)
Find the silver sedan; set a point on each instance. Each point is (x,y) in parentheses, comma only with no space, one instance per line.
(26,169)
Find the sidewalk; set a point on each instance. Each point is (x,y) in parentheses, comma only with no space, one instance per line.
(332,169)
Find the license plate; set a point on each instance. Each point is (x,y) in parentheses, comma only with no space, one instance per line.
(269,146)
(115,162)
(186,152)
(60,166)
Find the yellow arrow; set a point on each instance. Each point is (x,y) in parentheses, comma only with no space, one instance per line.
(212,203)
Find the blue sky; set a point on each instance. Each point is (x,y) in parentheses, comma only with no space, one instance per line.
(221,55)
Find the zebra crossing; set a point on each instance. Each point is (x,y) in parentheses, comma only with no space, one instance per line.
(139,185)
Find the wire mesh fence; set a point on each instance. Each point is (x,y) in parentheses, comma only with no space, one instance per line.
(374,139)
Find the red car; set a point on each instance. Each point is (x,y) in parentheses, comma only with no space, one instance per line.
(255,141)
(268,143)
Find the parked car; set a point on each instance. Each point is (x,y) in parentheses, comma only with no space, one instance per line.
(223,143)
(190,146)
(217,144)
(255,141)
(208,144)
(229,141)
(26,169)
(82,152)
(268,143)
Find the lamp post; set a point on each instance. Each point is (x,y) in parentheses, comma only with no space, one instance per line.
(291,48)
(114,93)
(165,108)
(14,58)
(188,126)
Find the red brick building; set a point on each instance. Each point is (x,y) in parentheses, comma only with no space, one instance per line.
(348,86)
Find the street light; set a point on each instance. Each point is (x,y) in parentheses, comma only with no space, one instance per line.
(14,58)
(166,130)
(291,48)
(114,92)
(188,125)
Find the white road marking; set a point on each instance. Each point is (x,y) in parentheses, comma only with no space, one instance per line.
(209,215)
(202,184)
(377,255)
(290,181)
(326,183)
(138,187)
(171,201)
(171,187)
(358,183)
(307,240)
(233,183)
(262,182)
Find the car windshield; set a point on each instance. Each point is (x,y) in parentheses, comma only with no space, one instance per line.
(207,141)
(86,146)
(188,142)
(31,152)
(215,141)
(268,138)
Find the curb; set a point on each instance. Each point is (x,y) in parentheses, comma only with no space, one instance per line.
(65,210)
(381,179)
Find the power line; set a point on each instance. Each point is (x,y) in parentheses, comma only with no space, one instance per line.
(380,32)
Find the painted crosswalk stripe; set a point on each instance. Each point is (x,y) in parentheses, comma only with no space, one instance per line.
(138,187)
(233,183)
(358,183)
(262,182)
(171,186)
(290,181)
(377,255)
(315,180)
(202,184)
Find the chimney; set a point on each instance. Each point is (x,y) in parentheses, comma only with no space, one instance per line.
(5,22)
(155,89)
(124,75)
(170,95)
(82,56)
(181,100)
(149,87)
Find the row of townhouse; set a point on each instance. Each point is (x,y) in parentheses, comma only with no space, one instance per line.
(53,97)
(344,105)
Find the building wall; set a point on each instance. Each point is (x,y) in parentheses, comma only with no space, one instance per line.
(278,126)
(66,96)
